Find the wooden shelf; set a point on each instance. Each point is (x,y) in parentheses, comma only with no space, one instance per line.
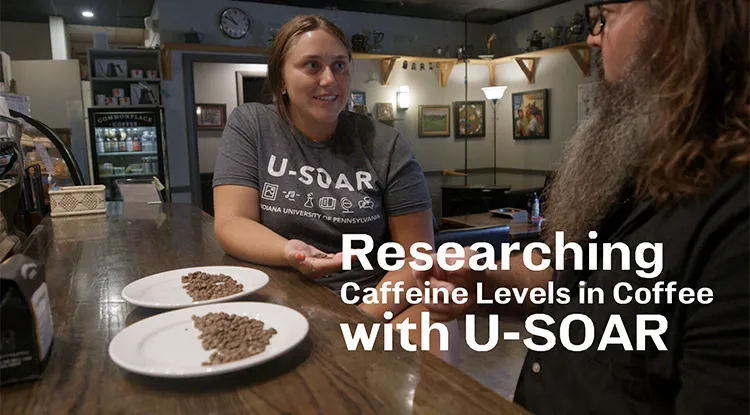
(526,61)
(540,53)
(418,59)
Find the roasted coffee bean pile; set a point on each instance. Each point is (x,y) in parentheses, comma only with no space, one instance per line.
(234,337)
(202,286)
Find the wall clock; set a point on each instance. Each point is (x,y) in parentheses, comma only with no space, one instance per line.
(234,23)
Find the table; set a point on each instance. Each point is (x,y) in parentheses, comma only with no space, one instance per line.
(89,260)
(518,230)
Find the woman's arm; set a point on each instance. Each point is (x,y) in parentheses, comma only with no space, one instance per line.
(241,235)
(405,230)
(238,228)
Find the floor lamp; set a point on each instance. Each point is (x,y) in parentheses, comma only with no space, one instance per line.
(494,93)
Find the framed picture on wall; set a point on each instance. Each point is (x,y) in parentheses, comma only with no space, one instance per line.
(359,98)
(475,118)
(530,114)
(434,121)
(211,116)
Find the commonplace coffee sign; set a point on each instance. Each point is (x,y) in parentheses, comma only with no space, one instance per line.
(124,119)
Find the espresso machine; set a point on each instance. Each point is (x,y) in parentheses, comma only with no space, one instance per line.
(11,182)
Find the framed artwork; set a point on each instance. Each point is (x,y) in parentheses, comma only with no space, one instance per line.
(384,111)
(475,118)
(211,116)
(359,98)
(434,121)
(531,114)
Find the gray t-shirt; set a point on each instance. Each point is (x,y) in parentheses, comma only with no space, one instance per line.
(316,192)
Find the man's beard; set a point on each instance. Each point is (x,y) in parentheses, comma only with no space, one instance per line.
(600,160)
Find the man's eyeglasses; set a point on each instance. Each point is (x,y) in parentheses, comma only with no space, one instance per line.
(594,17)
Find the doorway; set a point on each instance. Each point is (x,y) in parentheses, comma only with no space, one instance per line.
(210,79)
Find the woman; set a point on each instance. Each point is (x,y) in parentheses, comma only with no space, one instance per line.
(291,178)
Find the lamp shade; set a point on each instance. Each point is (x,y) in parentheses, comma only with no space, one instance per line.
(494,92)
(403,98)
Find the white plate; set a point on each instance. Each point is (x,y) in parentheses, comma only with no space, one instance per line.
(165,290)
(167,345)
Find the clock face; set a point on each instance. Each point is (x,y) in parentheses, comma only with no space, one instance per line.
(234,23)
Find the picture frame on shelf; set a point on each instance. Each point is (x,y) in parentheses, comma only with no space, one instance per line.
(477,119)
(144,94)
(211,116)
(434,121)
(111,68)
(531,114)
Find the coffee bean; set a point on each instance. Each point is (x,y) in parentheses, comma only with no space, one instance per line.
(202,286)
(234,337)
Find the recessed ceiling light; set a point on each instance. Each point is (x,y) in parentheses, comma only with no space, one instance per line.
(87,14)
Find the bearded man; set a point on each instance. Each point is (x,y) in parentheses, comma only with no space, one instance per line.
(662,159)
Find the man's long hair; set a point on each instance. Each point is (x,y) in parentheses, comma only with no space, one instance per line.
(700,127)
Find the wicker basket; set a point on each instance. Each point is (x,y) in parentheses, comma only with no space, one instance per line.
(77,200)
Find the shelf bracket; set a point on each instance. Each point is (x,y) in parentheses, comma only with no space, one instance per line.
(491,67)
(386,68)
(582,56)
(528,66)
(445,71)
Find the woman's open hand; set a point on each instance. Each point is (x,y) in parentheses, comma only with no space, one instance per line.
(310,260)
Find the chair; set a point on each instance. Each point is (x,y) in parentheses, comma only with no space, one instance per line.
(494,235)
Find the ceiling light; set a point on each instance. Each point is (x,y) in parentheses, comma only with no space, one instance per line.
(87,13)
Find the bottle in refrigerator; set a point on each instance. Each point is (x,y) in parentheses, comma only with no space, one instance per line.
(100,143)
(105,133)
(123,147)
(129,142)
(137,145)
(149,146)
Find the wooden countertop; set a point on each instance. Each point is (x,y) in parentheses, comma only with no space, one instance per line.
(89,260)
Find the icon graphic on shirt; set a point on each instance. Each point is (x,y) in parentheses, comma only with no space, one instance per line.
(347,205)
(290,195)
(269,191)
(366,203)
(327,203)
(309,202)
